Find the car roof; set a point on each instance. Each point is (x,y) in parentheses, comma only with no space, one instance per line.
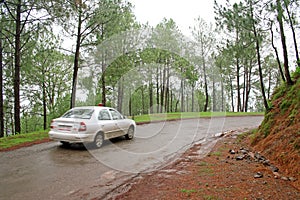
(92,107)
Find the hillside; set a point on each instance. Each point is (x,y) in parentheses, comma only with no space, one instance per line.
(270,169)
(278,137)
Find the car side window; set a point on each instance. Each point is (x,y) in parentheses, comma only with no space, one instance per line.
(115,114)
(104,115)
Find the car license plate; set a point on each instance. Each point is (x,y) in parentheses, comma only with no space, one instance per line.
(64,128)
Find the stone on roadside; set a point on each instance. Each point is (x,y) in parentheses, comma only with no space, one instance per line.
(274,168)
(240,157)
(231,151)
(266,163)
(258,175)
(276,175)
(244,151)
(292,179)
(259,157)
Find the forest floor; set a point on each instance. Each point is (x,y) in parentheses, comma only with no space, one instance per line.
(232,170)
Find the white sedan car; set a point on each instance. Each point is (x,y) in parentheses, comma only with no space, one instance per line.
(91,124)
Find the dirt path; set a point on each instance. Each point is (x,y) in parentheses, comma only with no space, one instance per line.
(230,171)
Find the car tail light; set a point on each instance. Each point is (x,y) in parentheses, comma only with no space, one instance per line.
(82,126)
(52,125)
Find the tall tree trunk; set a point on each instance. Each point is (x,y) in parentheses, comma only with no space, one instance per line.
(193,97)
(222,86)
(162,92)
(248,86)
(238,74)
(151,96)
(103,86)
(205,77)
(17,70)
(167,89)
(187,102)
(76,61)
(103,81)
(283,41)
(157,89)
(120,94)
(238,85)
(103,76)
(276,53)
(1,87)
(143,100)
(167,96)
(205,88)
(181,91)
(171,101)
(214,95)
(231,94)
(294,33)
(130,105)
(244,88)
(176,106)
(44,106)
(259,63)
(222,94)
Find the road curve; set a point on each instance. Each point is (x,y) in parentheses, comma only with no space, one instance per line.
(49,171)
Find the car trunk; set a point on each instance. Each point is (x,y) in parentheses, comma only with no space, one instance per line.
(66,125)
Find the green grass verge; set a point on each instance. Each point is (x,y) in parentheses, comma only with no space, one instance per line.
(187,115)
(14,140)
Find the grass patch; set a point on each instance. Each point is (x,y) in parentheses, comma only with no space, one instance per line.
(188,192)
(205,171)
(267,124)
(279,92)
(215,153)
(15,140)
(293,115)
(242,136)
(245,135)
(210,197)
(204,164)
(188,115)
(285,105)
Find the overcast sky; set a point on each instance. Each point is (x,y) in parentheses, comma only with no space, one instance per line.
(183,12)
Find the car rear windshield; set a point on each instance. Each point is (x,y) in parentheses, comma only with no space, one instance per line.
(79,113)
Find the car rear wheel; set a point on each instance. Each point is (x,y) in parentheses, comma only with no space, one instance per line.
(65,144)
(99,139)
(130,133)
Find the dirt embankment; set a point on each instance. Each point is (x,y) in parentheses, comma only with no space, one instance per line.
(278,137)
(232,170)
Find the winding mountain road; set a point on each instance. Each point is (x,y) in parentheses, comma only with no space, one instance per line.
(49,171)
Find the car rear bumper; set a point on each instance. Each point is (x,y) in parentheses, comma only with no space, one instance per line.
(71,137)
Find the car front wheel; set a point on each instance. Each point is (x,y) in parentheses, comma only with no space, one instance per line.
(130,133)
(99,139)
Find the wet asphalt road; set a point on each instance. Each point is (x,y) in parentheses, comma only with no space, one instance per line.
(49,171)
